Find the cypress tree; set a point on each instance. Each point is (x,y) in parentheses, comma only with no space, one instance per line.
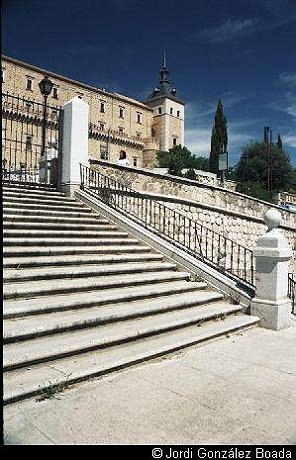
(219,139)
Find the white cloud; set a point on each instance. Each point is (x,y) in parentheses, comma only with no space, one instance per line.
(230,29)
(290,140)
(289,78)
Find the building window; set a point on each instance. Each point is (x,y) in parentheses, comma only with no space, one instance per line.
(135,163)
(102,126)
(29,106)
(159,110)
(139,117)
(3,74)
(121,112)
(103,152)
(178,113)
(121,130)
(174,140)
(102,107)
(30,81)
(171,111)
(80,95)
(55,92)
(29,141)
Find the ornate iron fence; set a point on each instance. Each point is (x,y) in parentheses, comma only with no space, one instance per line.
(22,156)
(233,259)
(292,291)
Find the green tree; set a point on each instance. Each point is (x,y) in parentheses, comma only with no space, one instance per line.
(260,161)
(256,190)
(178,158)
(190,174)
(219,139)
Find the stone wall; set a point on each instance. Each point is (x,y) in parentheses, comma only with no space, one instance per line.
(233,215)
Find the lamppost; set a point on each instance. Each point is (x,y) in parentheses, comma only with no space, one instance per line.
(223,166)
(45,86)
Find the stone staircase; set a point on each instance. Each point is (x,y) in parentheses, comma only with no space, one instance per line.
(83,298)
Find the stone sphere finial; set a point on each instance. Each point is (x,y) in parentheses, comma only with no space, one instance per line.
(272,219)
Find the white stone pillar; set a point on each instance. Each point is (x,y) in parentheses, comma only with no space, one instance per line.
(74,143)
(272,255)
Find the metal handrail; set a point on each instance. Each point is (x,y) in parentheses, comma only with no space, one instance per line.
(292,291)
(229,257)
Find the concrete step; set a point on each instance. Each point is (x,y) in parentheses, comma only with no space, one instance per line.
(16,308)
(43,288)
(61,260)
(44,324)
(116,238)
(52,219)
(41,234)
(29,381)
(25,251)
(52,347)
(80,271)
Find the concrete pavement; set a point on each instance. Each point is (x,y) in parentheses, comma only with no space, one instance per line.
(239,389)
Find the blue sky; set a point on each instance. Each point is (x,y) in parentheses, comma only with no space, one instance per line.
(242,51)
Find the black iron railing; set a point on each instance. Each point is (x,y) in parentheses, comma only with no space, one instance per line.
(292,291)
(233,259)
(22,131)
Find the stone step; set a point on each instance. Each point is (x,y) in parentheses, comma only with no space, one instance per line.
(37,235)
(24,188)
(80,271)
(116,238)
(42,251)
(43,288)
(21,195)
(61,260)
(16,308)
(52,219)
(44,324)
(57,212)
(65,208)
(27,382)
(23,202)
(52,347)
(43,226)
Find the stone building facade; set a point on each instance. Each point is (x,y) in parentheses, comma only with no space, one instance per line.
(116,122)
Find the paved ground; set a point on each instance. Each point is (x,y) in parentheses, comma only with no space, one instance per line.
(235,390)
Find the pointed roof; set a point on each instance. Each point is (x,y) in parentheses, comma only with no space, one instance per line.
(164,89)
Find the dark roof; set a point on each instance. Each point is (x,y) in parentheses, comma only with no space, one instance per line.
(164,89)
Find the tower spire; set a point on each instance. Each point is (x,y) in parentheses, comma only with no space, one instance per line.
(164,72)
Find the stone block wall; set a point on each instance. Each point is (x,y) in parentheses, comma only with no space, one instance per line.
(231,214)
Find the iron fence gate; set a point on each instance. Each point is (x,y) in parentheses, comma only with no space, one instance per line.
(24,123)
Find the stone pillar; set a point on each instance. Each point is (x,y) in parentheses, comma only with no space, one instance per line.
(74,144)
(272,255)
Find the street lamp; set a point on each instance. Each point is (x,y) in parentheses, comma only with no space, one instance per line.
(45,86)
(223,166)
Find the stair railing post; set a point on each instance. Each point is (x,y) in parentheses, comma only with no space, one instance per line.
(75,143)
(272,255)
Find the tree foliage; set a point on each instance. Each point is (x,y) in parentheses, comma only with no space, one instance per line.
(260,159)
(219,139)
(178,158)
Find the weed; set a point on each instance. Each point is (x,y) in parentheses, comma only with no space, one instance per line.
(51,390)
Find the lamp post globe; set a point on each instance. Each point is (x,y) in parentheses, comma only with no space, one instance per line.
(45,86)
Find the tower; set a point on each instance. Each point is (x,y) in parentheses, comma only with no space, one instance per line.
(168,112)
